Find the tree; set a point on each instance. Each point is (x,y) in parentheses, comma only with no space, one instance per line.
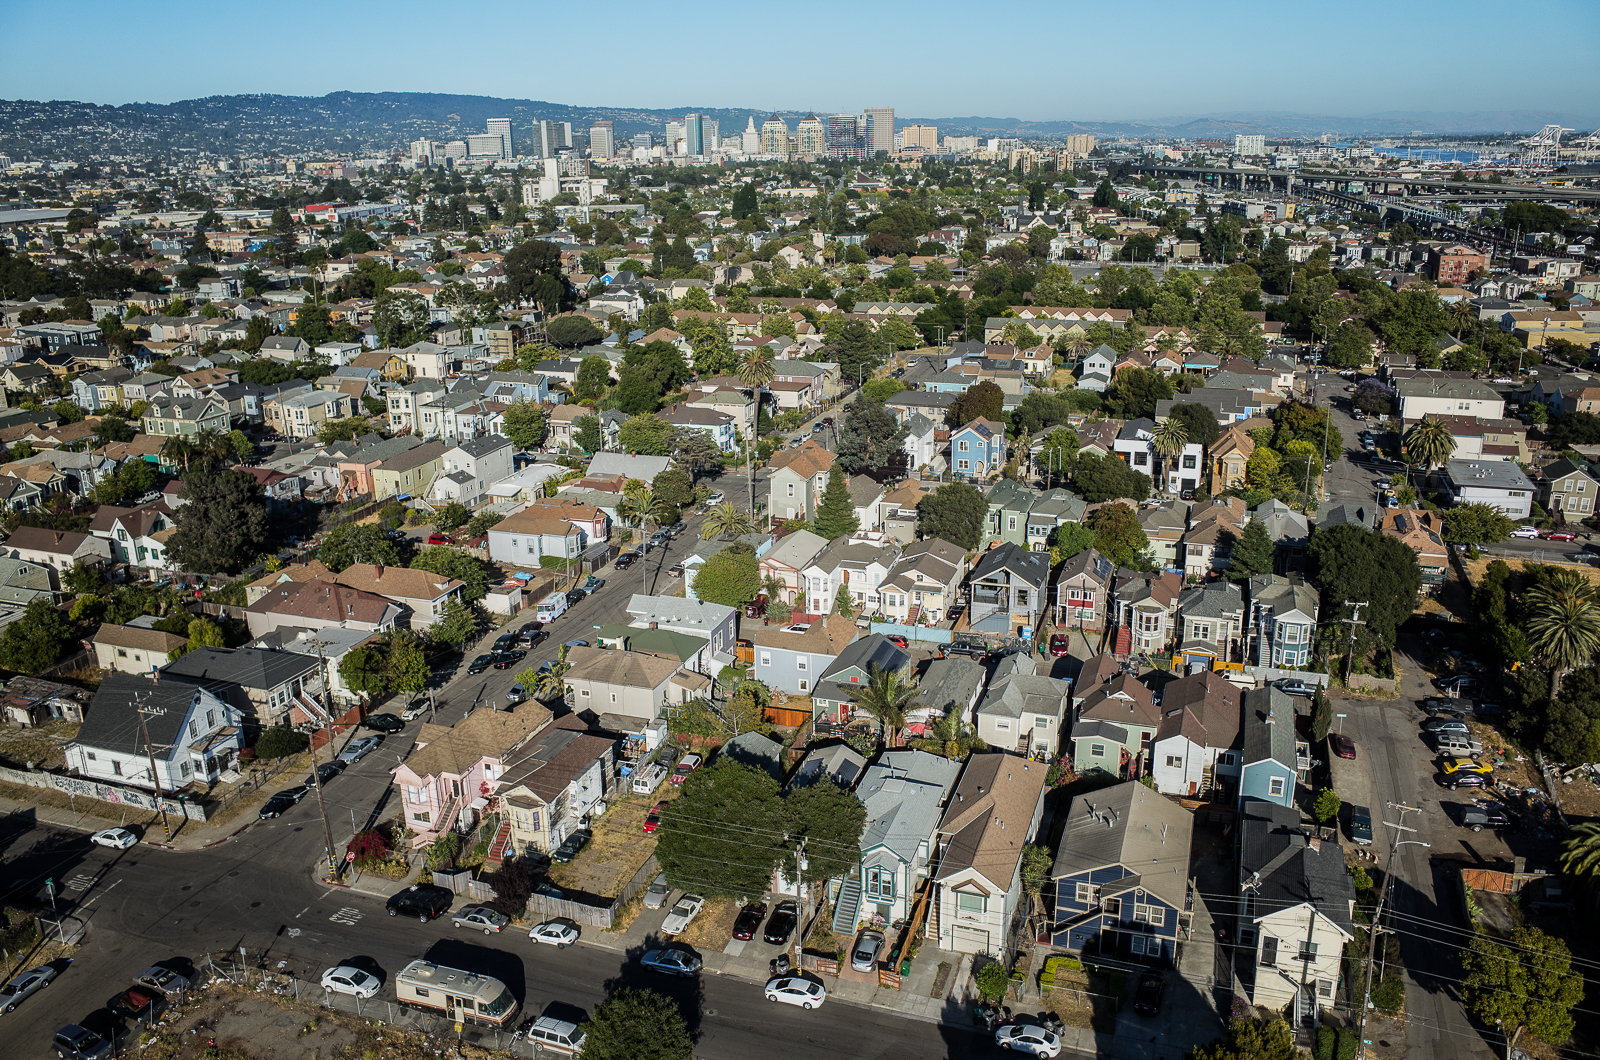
(717,837)
(755,372)
(1199,423)
(745,202)
(856,349)
(1580,854)
(347,429)
(636,1024)
(831,819)
(983,400)
(1119,537)
(400,318)
(1326,806)
(34,641)
(889,695)
(1252,1040)
(469,570)
(525,424)
(726,519)
(1528,985)
(204,633)
(222,524)
(1168,440)
(529,266)
(594,375)
(112,429)
(350,543)
(674,487)
(1351,562)
(364,670)
(1103,478)
(1351,346)
(1321,716)
(955,512)
(1563,622)
(836,515)
(1068,540)
(571,332)
(1429,443)
(1373,397)
(1476,524)
(1570,729)
(457,625)
(1135,391)
(280,741)
(870,438)
(730,577)
(1253,553)
(645,435)
(586,433)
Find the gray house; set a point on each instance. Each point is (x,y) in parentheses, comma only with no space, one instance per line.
(1007,591)
(793,658)
(1023,710)
(716,623)
(1273,760)
(833,697)
(948,686)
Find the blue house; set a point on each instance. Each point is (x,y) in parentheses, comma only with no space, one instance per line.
(1121,875)
(1273,758)
(949,383)
(978,449)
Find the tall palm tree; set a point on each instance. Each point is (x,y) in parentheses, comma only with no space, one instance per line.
(1168,440)
(1464,316)
(755,372)
(179,449)
(1563,625)
(1228,346)
(727,518)
(640,504)
(1580,855)
(1078,344)
(1430,442)
(887,698)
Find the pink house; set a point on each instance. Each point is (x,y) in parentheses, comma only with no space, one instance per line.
(447,780)
(786,559)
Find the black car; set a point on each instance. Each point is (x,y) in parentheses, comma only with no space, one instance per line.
(481,663)
(421,900)
(749,921)
(626,560)
(1148,999)
(573,596)
(573,844)
(1436,706)
(282,801)
(976,651)
(781,924)
(327,771)
(505,660)
(79,1043)
(505,642)
(1461,780)
(384,723)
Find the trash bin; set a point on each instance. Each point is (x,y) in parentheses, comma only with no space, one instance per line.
(905,966)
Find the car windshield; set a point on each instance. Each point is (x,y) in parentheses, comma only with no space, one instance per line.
(499,1006)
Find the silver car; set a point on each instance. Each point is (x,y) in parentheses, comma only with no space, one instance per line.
(356,750)
(656,896)
(25,986)
(671,962)
(482,917)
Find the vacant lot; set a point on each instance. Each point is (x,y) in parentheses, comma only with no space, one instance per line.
(618,850)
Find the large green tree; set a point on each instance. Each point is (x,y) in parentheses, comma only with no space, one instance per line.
(981,400)
(730,577)
(1252,554)
(836,515)
(1476,524)
(525,424)
(222,524)
(350,543)
(1563,622)
(1350,562)
(1135,391)
(1119,537)
(471,571)
(636,1024)
(831,819)
(718,837)
(870,439)
(955,512)
(1199,423)
(1103,478)
(34,641)
(1527,985)
(1249,1039)
(646,435)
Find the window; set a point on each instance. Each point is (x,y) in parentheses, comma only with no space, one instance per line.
(211,719)
(766,658)
(1174,761)
(1325,988)
(1141,459)
(971,903)
(1002,726)
(962,465)
(791,489)
(1088,894)
(1308,951)
(122,653)
(424,817)
(802,662)
(194,729)
(961,446)
(880,884)
(1269,951)
(1189,462)
(1150,914)
(116,767)
(1012,523)
(804,684)
(1275,787)
(1112,907)
(1097,750)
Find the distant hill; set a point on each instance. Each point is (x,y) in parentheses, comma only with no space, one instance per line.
(378,122)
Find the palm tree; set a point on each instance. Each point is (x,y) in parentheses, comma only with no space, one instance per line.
(1078,344)
(888,696)
(1563,624)
(1227,346)
(1464,315)
(640,503)
(727,518)
(950,737)
(1580,856)
(1168,440)
(179,448)
(1431,442)
(755,372)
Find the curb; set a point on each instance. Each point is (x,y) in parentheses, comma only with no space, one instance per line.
(224,839)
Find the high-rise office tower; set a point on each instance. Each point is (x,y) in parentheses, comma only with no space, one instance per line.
(713,135)
(675,136)
(694,134)
(424,152)
(601,143)
(750,139)
(923,136)
(880,130)
(811,137)
(485,145)
(502,128)
(775,137)
(844,138)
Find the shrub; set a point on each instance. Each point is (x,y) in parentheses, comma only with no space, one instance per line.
(513,886)
(992,981)
(370,846)
(1346,1049)
(280,741)
(442,851)
(1389,994)
(1326,1036)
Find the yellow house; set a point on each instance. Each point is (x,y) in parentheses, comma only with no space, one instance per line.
(1230,456)
(409,473)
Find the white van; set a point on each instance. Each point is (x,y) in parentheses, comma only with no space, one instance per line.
(551,607)
(648,778)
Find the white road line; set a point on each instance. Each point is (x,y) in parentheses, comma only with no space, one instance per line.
(302,912)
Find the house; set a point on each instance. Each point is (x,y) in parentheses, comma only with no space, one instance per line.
(1288,530)
(422,593)
(1115,726)
(836,761)
(1500,483)
(1022,709)
(1049,512)
(720,427)
(315,604)
(948,686)
(1083,588)
(285,348)
(634,685)
(298,415)
(921,444)
(468,468)
(446,780)
(833,696)
(1144,610)
(408,473)
(1164,526)
(265,687)
(787,560)
(857,567)
(1297,912)
(1272,759)
(194,736)
(553,784)
(1425,392)
(792,658)
(1211,621)
(56,549)
(1230,459)
(185,417)
(798,479)
(904,793)
(1120,881)
(1423,531)
(924,582)
(1570,488)
(137,536)
(689,649)
(978,449)
(1197,746)
(1283,620)
(717,624)
(1213,529)
(1098,367)
(993,815)
(1007,591)
(758,751)
(1009,503)
(134,649)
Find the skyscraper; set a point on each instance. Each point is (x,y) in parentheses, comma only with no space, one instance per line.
(485,145)
(424,152)
(811,137)
(750,139)
(675,136)
(502,127)
(694,134)
(775,137)
(713,135)
(843,136)
(601,143)
(553,136)
(923,136)
(880,130)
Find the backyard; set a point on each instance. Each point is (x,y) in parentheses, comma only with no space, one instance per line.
(617,851)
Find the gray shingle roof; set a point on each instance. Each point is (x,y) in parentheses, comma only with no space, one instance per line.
(903,791)
(1131,826)
(1275,848)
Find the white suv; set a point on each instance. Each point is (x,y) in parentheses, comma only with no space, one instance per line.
(1525,531)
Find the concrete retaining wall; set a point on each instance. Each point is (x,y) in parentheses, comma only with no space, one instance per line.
(94,789)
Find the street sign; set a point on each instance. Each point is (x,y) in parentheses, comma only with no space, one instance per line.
(350,855)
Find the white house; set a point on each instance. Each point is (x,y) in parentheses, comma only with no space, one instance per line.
(469,468)
(1500,483)
(194,735)
(922,450)
(847,563)
(719,426)
(1198,739)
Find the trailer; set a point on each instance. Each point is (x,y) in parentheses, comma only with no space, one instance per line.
(459,996)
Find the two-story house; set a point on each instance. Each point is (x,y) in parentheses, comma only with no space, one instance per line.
(138,536)
(924,582)
(717,624)
(408,473)
(299,415)
(992,815)
(1083,588)
(1213,530)
(59,550)
(1120,883)
(792,658)
(169,416)
(316,604)
(1008,591)
(978,449)
(468,468)
(424,594)
(1050,511)
(552,785)
(1422,531)
(453,767)
(1197,746)
(1569,487)
(194,736)
(1211,620)
(905,793)
(267,688)
(787,561)
(855,566)
(1272,760)
(834,694)
(1500,483)
(1230,459)
(629,688)
(921,445)
(1023,710)
(1116,723)
(134,649)
(798,479)
(1288,530)
(720,427)
(1282,622)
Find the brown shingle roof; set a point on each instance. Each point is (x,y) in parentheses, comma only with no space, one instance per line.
(138,637)
(397,581)
(327,601)
(481,734)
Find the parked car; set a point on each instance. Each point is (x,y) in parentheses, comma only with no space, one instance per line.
(356,750)
(1360,825)
(1479,817)
(864,958)
(577,644)
(1295,687)
(1147,1000)
(897,640)
(73,1042)
(678,917)
(516,695)
(686,765)
(793,990)
(1525,531)
(756,608)
(414,711)
(549,1034)
(505,660)
(481,663)
(1558,535)
(1342,745)
(571,846)
(138,1003)
(548,890)
(505,642)
(781,924)
(593,584)
(1028,1038)
(281,802)
(1437,706)
(1445,725)
(626,560)
(681,963)
(115,838)
(973,651)
(170,983)
(574,595)
(439,539)
(714,497)
(325,772)
(652,820)
(1461,780)
(560,932)
(676,570)
(480,918)
(655,896)
(1465,765)
(1459,684)
(346,979)
(748,922)
(25,986)
(530,636)
(384,723)
(425,901)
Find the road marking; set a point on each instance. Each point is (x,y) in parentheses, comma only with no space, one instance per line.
(104,891)
(80,882)
(346,916)
(293,933)
(302,912)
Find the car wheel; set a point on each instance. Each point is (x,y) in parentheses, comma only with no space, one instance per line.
(1475,828)
(486,931)
(11,1008)
(805,1005)
(772,997)
(393,913)
(423,917)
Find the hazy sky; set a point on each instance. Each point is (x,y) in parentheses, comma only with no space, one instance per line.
(1095,61)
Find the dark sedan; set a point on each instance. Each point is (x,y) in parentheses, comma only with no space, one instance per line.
(281,802)
(505,660)
(425,901)
(1343,746)
(749,920)
(1461,780)
(626,560)
(481,663)
(781,925)
(573,844)
(384,723)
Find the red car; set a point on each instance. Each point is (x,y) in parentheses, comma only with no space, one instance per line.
(1060,644)
(653,820)
(756,608)
(688,765)
(1558,535)
(897,640)
(1343,746)
(439,539)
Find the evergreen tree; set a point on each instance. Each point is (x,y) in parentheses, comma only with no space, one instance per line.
(869,437)
(836,516)
(1252,553)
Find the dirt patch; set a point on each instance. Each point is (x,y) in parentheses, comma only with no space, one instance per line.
(713,927)
(617,851)
(1476,567)
(43,745)
(248,1027)
(1081,998)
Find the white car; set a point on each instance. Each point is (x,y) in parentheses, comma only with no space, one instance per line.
(1525,531)
(656,896)
(671,962)
(714,497)
(559,932)
(687,909)
(792,990)
(347,980)
(414,711)
(115,838)
(1027,1038)
(481,916)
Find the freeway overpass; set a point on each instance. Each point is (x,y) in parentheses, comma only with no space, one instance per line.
(1436,187)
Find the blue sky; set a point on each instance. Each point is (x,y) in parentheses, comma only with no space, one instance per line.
(1097,61)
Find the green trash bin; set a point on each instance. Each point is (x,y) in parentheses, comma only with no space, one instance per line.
(905,966)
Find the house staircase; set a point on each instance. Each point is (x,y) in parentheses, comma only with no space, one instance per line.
(1208,780)
(911,616)
(846,908)
(502,841)
(1123,644)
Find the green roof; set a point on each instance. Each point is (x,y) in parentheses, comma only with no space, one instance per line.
(654,641)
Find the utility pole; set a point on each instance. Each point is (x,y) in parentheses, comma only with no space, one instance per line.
(1377,915)
(800,896)
(1354,620)
(316,773)
(155,777)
